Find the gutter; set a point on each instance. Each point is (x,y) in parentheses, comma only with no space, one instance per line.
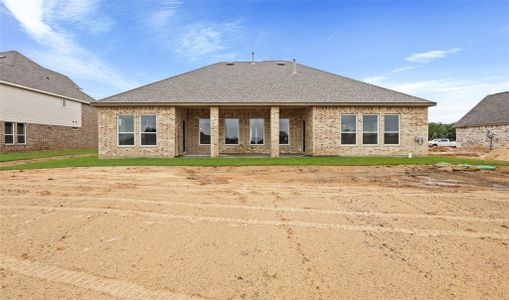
(392,104)
(481,125)
(44,92)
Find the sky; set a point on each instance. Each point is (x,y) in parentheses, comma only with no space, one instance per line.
(451,52)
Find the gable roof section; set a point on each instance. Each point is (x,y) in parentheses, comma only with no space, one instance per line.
(261,83)
(492,110)
(17,69)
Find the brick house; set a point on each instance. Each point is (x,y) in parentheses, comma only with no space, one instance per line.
(486,124)
(41,109)
(268,108)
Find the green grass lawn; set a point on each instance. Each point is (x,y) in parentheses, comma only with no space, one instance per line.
(93,161)
(10,156)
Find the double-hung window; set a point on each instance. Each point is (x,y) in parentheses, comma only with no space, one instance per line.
(231,131)
(256,131)
(125,130)
(20,133)
(148,130)
(348,129)
(391,129)
(9,133)
(204,131)
(284,131)
(370,129)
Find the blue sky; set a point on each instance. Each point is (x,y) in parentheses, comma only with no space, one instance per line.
(452,52)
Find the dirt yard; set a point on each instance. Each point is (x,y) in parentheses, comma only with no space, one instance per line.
(255,233)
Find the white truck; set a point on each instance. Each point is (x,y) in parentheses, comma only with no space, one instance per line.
(442,143)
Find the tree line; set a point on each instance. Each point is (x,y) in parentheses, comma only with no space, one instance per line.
(441,130)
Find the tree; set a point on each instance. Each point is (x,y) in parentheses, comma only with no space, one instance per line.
(440,130)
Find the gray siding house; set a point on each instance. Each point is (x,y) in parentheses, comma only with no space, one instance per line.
(486,125)
(261,107)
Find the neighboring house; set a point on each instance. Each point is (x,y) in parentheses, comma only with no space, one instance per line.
(41,109)
(269,107)
(489,118)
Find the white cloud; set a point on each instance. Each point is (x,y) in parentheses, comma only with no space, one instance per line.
(454,97)
(61,52)
(200,40)
(403,69)
(160,16)
(374,79)
(426,57)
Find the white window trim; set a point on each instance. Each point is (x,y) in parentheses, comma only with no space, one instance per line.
(377,132)
(263,132)
(210,129)
(119,132)
(141,132)
(24,134)
(63,103)
(356,132)
(399,130)
(13,134)
(287,144)
(238,132)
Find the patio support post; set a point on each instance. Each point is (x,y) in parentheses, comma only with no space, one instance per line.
(274,131)
(214,131)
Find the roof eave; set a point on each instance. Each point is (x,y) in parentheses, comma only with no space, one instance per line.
(110,104)
(481,124)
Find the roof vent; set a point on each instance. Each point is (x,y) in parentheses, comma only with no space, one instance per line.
(294,67)
(229,64)
(280,63)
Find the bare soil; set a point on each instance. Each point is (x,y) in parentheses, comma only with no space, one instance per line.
(254,232)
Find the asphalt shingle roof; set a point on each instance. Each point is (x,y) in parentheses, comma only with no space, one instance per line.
(261,82)
(492,110)
(18,69)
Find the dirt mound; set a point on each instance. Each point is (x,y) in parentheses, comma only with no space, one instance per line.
(501,153)
(439,149)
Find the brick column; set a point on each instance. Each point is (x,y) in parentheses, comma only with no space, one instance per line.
(274,131)
(214,131)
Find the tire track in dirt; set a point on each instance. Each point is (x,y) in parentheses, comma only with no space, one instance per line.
(111,287)
(289,209)
(241,221)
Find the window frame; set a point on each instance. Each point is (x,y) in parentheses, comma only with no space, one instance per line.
(399,130)
(199,131)
(287,144)
(263,131)
(13,134)
(142,133)
(124,132)
(24,134)
(63,103)
(238,131)
(355,131)
(377,132)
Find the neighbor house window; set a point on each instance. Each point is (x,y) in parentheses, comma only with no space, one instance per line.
(20,133)
(204,131)
(125,130)
(348,129)
(256,131)
(391,129)
(64,103)
(9,133)
(284,131)
(231,132)
(370,129)
(148,130)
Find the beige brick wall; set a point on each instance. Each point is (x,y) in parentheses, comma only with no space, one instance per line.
(476,136)
(326,131)
(108,139)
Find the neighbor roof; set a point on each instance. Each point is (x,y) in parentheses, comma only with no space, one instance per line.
(226,83)
(492,110)
(15,68)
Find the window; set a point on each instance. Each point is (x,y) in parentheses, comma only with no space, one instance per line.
(64,103)
(284,131)
(391,129)
(204,131)
(20,133)
(370,129)
(148,130)
(126,130)
(231,134)
(256,131)
(348,130)
(9,133)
